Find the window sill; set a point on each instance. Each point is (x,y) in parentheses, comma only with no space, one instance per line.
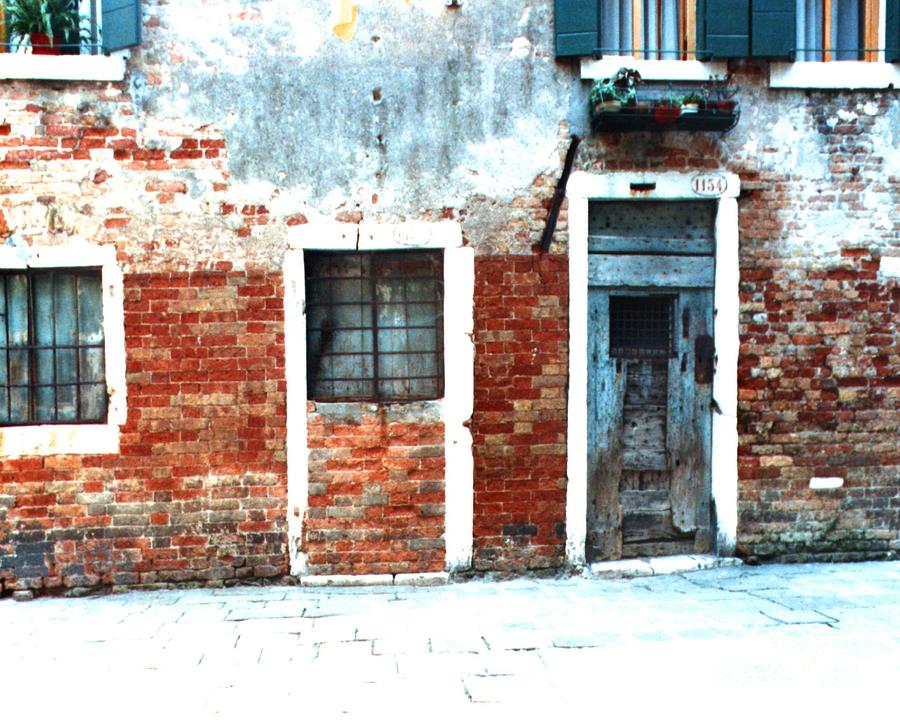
(837,75)
(689,70)
(96,68)
(44,440)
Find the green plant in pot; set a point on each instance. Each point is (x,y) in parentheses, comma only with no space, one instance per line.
(52,27)
(610,94)
(690,103)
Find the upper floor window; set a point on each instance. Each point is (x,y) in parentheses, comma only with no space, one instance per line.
(837,30)
(69,27)
(649,29)
(718,29)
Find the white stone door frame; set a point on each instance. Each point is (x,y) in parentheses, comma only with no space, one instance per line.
(459,357)
(724,188)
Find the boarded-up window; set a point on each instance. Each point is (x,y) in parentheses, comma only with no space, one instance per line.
(51,347)
(374,325)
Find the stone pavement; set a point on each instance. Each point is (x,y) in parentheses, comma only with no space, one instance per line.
(815,641)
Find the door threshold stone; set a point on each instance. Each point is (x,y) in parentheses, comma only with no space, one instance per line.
(667,565)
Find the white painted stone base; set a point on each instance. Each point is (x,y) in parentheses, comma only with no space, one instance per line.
(405,579)
(670,565)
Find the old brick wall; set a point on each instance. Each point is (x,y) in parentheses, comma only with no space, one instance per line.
(198,490)
(820,354)
(376,489)
(519,420)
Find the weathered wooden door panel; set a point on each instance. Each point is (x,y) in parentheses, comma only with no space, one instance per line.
(650,364)
(606,397)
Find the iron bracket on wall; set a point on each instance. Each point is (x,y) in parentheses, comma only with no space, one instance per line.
(559,195)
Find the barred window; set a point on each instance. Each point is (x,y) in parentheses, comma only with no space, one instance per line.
(374,325)
(51,347)
(641,327)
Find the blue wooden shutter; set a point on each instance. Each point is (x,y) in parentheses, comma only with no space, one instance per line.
(121,24)
(577,27)
(727,28)
(892,27)
(773,26)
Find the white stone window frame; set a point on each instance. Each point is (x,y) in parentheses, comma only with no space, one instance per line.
(840,74)
(724,188)
(455,408)
(87,438)
(674,70)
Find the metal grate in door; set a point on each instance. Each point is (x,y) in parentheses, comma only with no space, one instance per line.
(641,327)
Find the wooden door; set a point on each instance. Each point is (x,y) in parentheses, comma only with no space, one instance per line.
(650,366)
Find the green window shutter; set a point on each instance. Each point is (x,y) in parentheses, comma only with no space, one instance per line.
(892,27)
(577,27)
(121,24)
(726,28)
(773,26)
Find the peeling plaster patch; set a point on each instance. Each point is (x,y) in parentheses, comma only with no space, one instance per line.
(847,115)
(794,157)
(521,48)
(507,164)
(870,109)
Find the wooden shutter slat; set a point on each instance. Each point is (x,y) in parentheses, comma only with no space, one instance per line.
(892,30)
(773,28)
(727,28)
(121,24)
(577,27)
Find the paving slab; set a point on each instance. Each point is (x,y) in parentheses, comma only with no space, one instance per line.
(777,640)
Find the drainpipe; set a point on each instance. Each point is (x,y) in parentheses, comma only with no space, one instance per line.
(559,195)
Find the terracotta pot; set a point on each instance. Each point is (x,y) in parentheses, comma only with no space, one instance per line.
(40,44)
(666,114)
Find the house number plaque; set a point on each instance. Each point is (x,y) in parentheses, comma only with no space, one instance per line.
(709,185)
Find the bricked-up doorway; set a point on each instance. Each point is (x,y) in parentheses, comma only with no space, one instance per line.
(651,272)
(653,349)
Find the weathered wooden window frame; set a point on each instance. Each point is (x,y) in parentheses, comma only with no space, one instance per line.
(61,373)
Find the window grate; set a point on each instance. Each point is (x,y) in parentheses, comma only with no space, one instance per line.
(374,325)
(641,327)
(52,364)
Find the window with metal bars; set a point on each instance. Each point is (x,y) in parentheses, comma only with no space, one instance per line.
(641,327)
(374,325)
(52,367)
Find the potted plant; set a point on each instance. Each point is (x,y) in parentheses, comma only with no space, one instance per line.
(610,94)
(723,99)
(52,27)
(690,104)
(666,112)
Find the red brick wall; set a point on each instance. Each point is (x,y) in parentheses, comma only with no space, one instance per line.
(818,393)
(198,490)
(519,423)
(376,491)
